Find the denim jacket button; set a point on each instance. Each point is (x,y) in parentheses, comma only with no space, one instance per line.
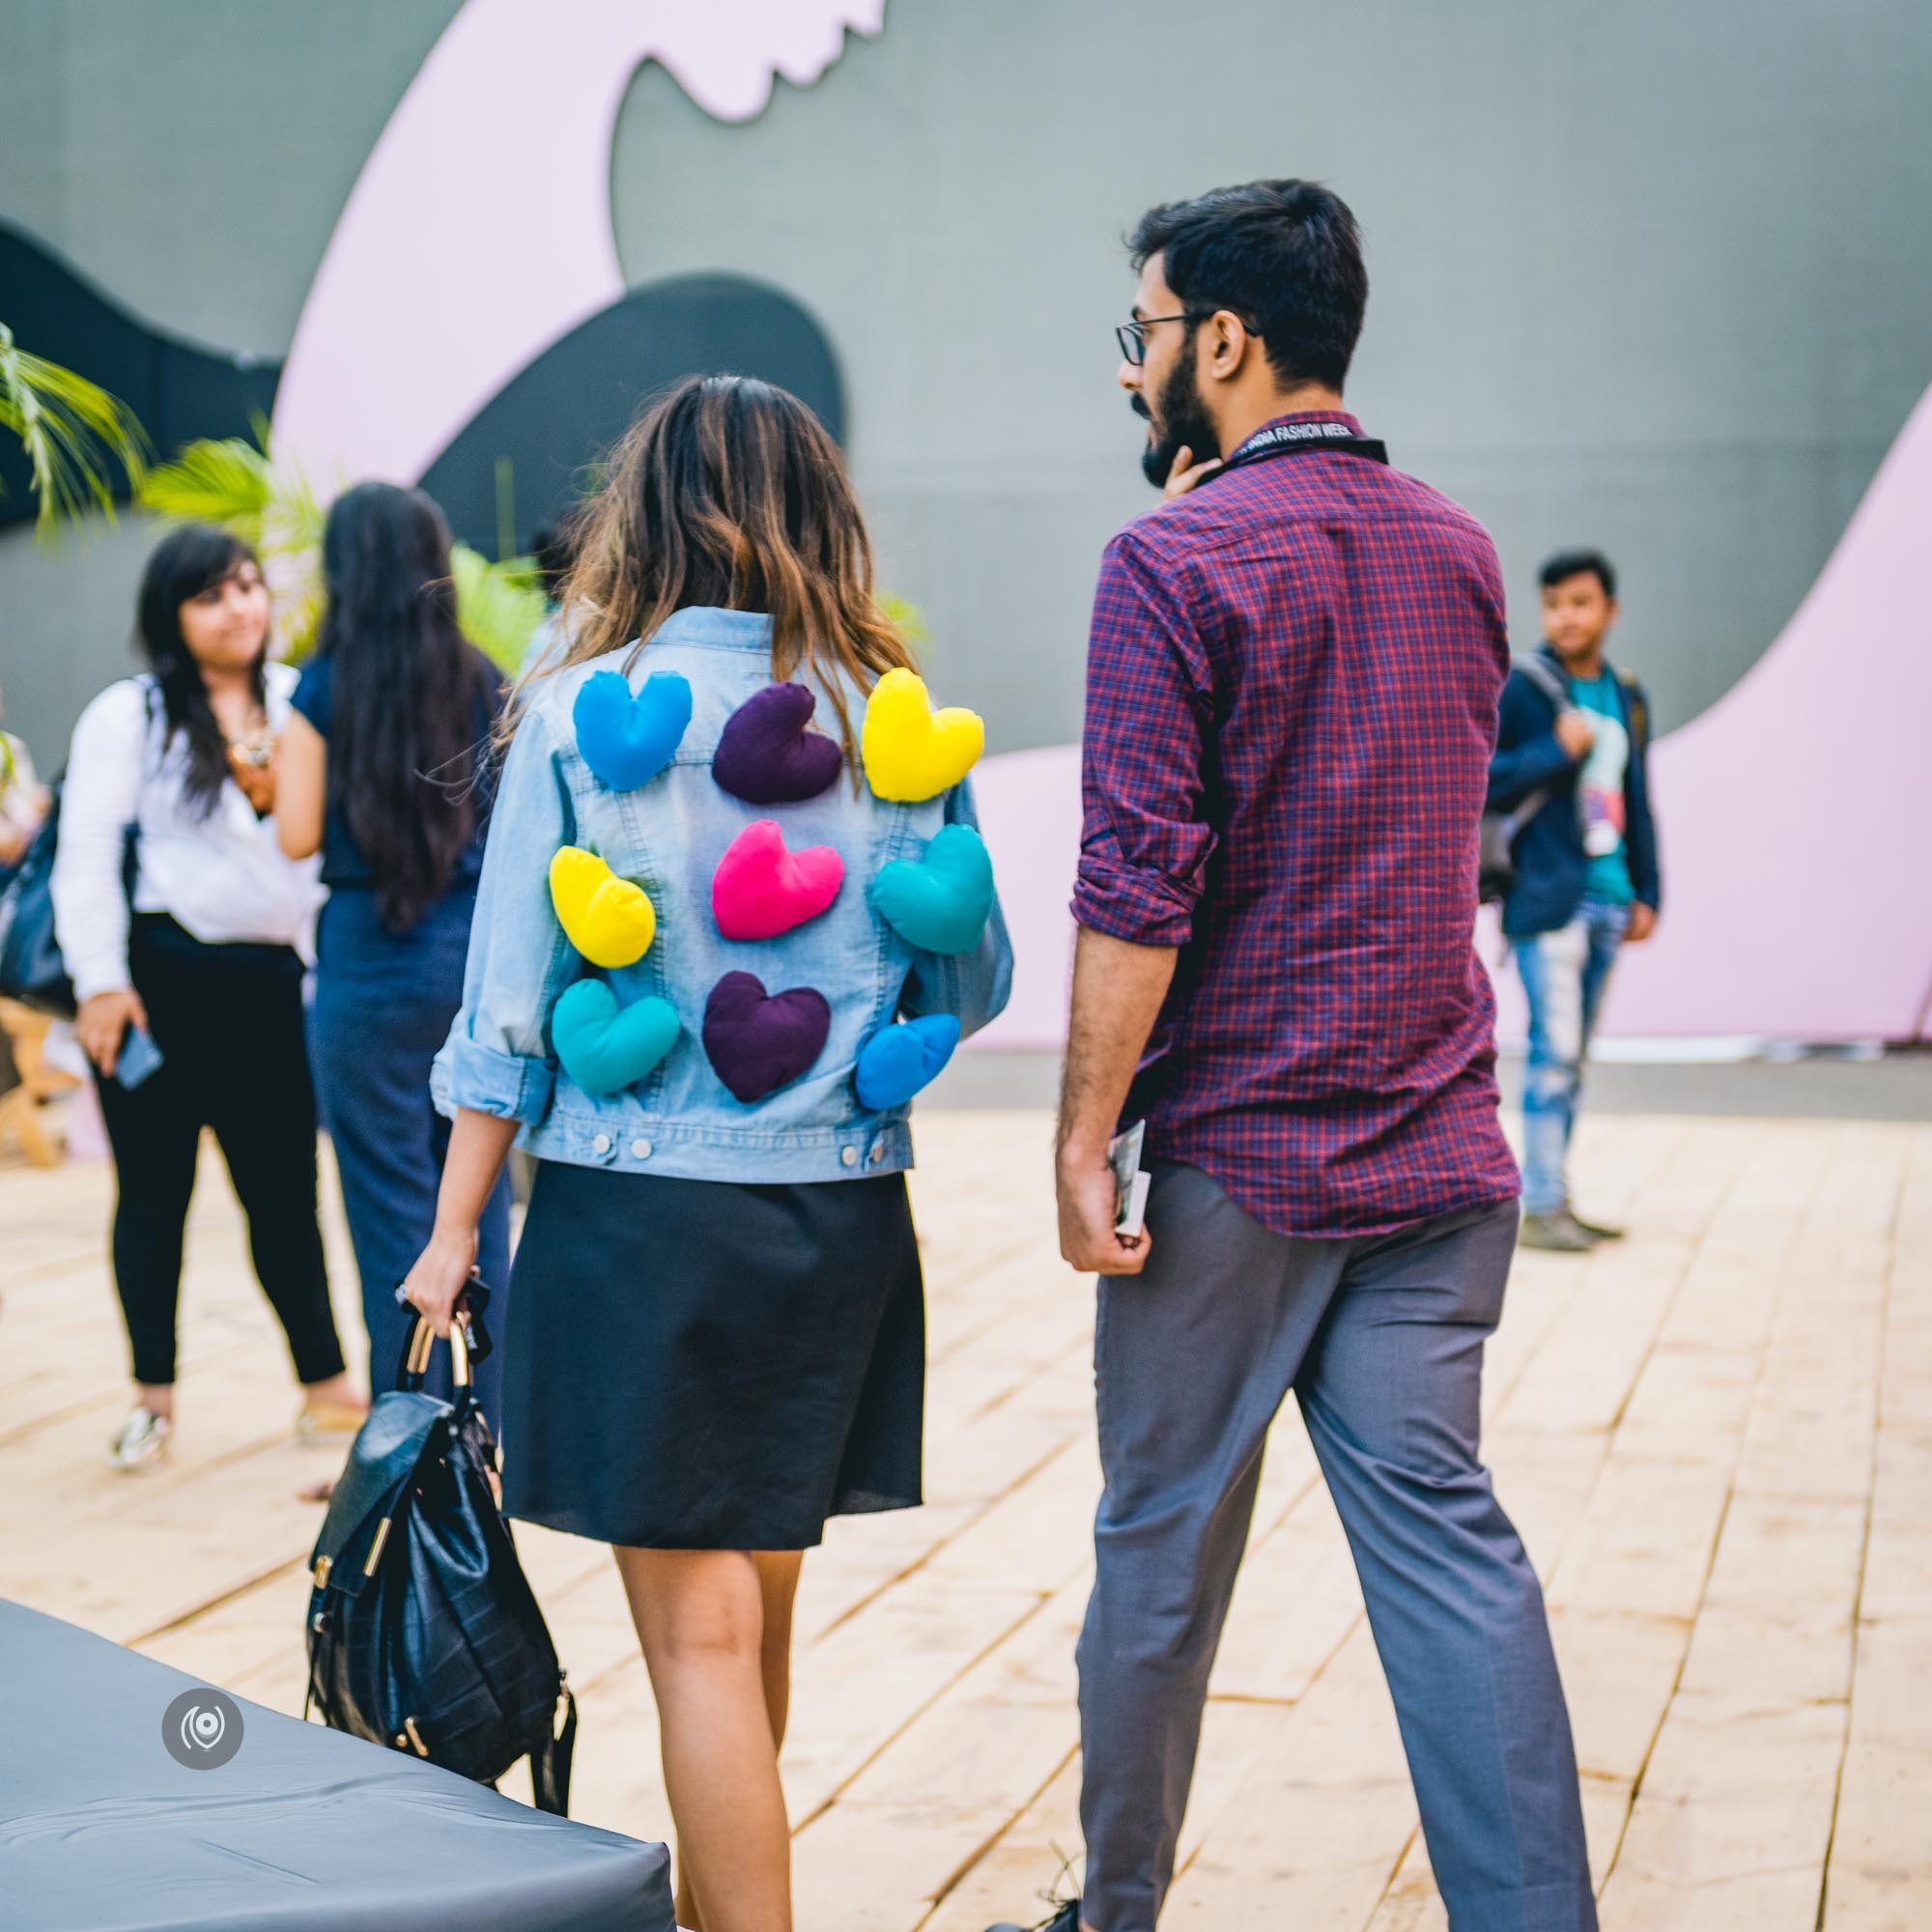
(878,1152)
(849,1155)
(641,1150)
(602,1143)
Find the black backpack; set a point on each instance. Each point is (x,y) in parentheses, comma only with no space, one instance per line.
(424,1634)
(1495,873)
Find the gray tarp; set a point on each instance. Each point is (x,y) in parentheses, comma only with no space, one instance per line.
(102,1830)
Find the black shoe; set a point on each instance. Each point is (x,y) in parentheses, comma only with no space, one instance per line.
(1065,1919)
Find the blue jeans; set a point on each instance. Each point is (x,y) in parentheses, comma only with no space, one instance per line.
(1564,975)
(383,1004)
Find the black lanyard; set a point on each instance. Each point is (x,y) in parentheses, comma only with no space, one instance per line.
(1296,439)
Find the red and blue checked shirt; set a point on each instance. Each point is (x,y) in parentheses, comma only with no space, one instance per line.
(1291,690)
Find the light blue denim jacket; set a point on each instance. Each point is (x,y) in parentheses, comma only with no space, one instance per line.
(669,837)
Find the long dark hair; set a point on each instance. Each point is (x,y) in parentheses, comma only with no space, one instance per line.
(729,491)
(410,695)
(185,563)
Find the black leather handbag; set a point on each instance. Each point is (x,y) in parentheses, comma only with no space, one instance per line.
(424,1634)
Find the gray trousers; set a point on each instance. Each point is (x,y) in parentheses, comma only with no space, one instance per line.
(1381,1338)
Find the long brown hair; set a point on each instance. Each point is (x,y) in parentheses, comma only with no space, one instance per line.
(728,491)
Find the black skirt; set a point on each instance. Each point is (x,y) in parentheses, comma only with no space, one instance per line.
(706,1365)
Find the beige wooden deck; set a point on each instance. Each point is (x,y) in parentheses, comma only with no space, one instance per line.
(1717,1440)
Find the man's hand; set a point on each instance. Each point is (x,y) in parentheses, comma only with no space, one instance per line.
(1088,1205)
(1643,924)
(102,1024)
(1185,472)
(1576,735)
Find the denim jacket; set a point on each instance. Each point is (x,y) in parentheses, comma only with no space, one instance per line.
(669,836)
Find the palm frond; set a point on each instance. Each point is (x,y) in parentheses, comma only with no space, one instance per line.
(229,483)
(72,432)
(499,604)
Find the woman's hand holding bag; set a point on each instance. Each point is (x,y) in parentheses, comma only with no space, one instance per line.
(441,1272)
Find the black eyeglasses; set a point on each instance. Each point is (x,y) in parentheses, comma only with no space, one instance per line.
(1132,335)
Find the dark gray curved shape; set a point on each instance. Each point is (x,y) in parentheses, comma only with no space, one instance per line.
(555,419)
(179,390)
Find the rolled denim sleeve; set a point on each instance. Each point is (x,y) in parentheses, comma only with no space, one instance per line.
(973,986)
(1145,839)
(497,1059)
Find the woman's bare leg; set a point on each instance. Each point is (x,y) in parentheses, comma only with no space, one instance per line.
(701,1617)
(778,1586)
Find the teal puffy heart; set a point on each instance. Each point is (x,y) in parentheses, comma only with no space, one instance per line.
(941,901)
(606,1047)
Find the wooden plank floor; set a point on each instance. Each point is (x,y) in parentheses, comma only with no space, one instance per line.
(1716,1437)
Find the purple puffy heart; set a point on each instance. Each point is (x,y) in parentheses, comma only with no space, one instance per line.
(757,1043)
(765,754)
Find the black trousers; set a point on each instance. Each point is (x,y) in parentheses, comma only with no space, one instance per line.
(228,1020)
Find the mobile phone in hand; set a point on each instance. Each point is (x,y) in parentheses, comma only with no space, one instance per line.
(1130,1180)
(138,1059)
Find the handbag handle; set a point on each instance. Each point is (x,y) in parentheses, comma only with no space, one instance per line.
(464,1352)
(422,1345)
(467,1332)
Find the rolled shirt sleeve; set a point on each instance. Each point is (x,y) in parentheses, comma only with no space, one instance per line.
(497,1059)
(1145,839)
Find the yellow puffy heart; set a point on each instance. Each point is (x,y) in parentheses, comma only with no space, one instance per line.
(912,751)
(609,920)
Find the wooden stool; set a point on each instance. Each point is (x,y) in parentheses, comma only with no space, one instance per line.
(20,1107)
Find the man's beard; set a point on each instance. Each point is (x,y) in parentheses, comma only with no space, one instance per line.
(1184,421)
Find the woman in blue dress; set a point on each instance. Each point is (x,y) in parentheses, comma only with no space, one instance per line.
(385,769)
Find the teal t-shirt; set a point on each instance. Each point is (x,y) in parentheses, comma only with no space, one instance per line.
(1599,791)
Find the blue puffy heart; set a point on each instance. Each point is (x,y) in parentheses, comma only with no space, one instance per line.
(606,1047)
(628,740)
(898,1060)
(939,902)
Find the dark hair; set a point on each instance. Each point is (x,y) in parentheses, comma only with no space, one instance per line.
(729,491)
(1285,256)
(410,695)
(186,562)
(553,550)
(1569,563)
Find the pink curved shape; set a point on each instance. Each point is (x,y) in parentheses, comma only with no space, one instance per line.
(478,233)
(1798,895)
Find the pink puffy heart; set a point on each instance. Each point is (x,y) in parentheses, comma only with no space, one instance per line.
(760,890)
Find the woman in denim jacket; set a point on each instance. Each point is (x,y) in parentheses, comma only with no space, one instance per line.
(724,933)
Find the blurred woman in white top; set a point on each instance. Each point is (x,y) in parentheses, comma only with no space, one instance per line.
(186,931)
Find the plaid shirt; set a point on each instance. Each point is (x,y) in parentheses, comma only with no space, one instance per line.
(1292,690)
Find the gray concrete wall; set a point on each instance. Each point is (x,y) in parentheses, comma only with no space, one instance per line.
(1651,276)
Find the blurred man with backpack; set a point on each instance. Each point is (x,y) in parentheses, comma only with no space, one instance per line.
(1573,776)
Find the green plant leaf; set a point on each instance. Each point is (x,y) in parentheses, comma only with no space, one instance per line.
(499,604)
(72,432)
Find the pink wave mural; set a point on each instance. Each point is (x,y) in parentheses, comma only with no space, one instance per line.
(423,307)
